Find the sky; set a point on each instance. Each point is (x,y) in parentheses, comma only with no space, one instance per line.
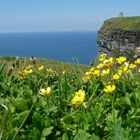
(61,15)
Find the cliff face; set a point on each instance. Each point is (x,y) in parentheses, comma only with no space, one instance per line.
(120,36)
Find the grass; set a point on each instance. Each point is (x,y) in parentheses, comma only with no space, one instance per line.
(70,102)
(124,23)
(48,63)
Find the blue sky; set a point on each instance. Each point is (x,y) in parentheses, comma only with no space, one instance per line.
(61,15)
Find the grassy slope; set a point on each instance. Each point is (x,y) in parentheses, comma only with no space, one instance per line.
(48,63)
(124,23)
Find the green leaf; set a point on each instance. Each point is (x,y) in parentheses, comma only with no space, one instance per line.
(21,104)
(37,120)
(68,119)
(65,137)
(43,138)
(35,134)
(82,135)
(20,117)
(47,131)
(97,111)
(116,131)
(127,100)
(94,137)
(110,115)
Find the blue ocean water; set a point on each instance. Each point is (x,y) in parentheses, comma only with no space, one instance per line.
(62,46)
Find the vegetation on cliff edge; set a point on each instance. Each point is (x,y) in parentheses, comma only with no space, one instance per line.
(123,23)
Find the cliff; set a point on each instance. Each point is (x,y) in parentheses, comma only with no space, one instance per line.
(120,36)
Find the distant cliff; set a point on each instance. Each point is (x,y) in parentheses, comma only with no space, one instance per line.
(120,36)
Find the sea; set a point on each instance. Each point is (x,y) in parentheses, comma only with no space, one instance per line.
(73,47)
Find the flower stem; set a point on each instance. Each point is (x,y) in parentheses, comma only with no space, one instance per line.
(113,110)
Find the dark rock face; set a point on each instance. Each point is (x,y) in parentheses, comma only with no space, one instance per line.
(116,42)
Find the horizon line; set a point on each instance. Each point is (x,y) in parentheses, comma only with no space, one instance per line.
(49,31)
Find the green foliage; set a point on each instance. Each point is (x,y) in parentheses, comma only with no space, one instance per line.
(27,114)
(124,23)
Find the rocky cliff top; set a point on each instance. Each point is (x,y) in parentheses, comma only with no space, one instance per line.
(120,36)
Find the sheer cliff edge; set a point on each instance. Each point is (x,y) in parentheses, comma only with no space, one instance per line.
(120,36)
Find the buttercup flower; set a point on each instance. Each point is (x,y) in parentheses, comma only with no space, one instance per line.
(96,72)
(86,78)
(63,72)
(132,66)
(121,59)
(105,72)
(88,73)
(79,97)
(102,57)
(45,92)
(109,88)
(41,68)
(125,68)
(24,72)
(92,69)
(119,71)
(30,71)
(80,92)
(49,70)
(100,66)
(116,77)
(137,61)
(29,67)
(109,62)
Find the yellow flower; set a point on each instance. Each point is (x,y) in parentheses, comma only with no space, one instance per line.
(105,72)
(120,71)
(63,72)
(41,68)
(29,67)
(125,68)
(88,73)
(86,78)
(102,57)
(139,70)
(108,62)
(96,72)
(116,77)
(45,92)
(132,66)
(30,71)
(50,70)
(80,92)
(92,69)
(109,88)
(137,61)
(24,72)
(121,59)
(78,98)
(100,66)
